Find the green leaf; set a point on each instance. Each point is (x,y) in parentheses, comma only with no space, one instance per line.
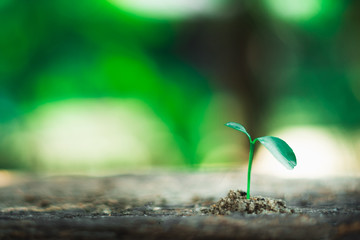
(280,150)
(238,127)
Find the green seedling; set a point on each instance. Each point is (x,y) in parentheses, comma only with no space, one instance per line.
(277,147)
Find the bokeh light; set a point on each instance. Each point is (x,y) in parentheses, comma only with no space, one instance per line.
(302,10)
(160,9)
(100,133)
(320,152)
(295,9)
(124,85)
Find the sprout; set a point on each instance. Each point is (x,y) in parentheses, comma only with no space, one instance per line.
(278,148)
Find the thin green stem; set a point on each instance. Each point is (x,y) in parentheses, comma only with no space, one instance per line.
(251,154)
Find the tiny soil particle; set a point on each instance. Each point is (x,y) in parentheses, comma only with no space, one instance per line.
(236,201)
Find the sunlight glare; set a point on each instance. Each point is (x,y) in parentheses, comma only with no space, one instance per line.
(98,133)
(294,9)
(319,152)
(168,9)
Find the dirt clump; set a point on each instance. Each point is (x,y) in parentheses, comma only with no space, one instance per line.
(236,201)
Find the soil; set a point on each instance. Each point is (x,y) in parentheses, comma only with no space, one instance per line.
(168,205)
(236,201)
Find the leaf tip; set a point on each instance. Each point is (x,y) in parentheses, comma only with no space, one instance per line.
(293,163)
(228,124)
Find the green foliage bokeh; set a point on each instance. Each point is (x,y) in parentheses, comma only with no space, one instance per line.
(284,70)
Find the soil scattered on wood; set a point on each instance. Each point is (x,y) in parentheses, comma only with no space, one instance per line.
(177,206)
(236,201)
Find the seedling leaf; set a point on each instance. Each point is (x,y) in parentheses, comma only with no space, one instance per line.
(238,127)
(280,150)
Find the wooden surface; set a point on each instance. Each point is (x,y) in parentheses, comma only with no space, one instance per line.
(159,205)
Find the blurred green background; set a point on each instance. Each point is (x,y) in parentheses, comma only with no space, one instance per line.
(117,85)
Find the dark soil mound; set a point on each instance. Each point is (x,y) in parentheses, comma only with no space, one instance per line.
(236,201)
